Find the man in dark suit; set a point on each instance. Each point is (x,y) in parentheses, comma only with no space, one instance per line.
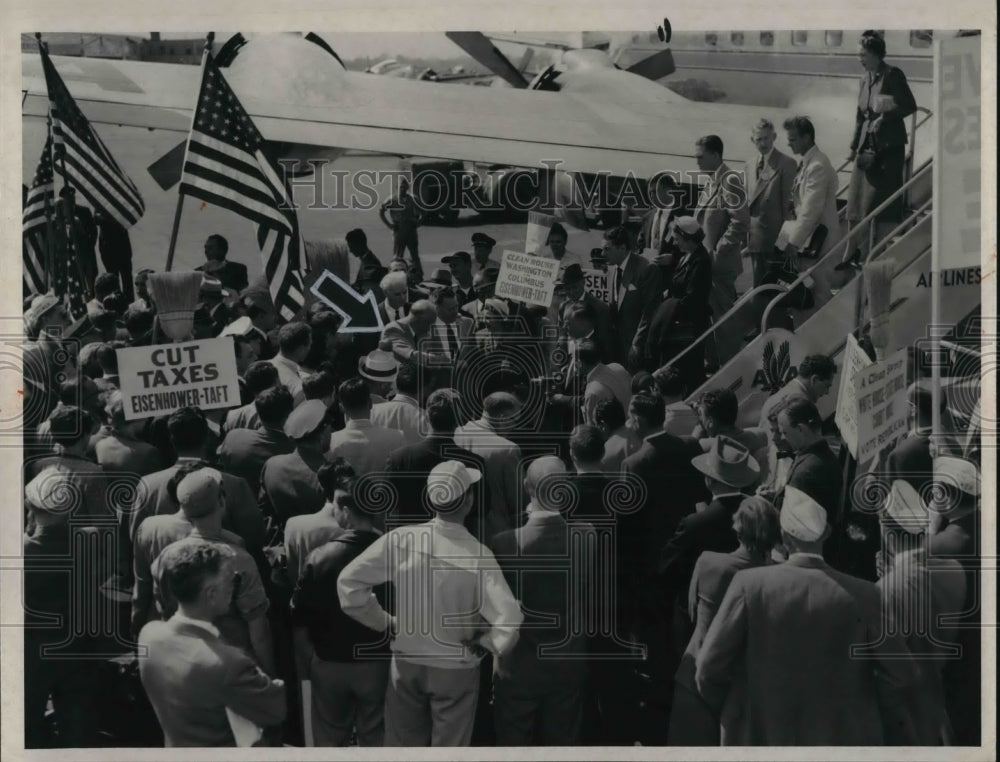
(779,665)
(232,275)
(815,469)
(636,290)
(192,677)
(769,197)
(655,232)
(539,685)
(407,468)
(370,269)
(245,451)
(574,283)
(730,472)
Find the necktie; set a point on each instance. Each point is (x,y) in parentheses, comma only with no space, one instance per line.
(617,285)
(657,230)
(452,341)
(760,166)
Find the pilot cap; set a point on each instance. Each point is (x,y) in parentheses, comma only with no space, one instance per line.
(305,419)
(801,516)
(481,239)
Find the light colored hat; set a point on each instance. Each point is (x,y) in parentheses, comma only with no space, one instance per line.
(449,481)
(688,226)
(905,507)
(801,516)
(53,491)
(378,365)
(958,473)
(211,285)
(197,493)
(241,328)
(305,419)
(730,462)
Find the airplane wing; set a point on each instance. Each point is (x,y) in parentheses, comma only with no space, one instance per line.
(603,121)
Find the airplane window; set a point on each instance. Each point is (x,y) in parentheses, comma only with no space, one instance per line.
(711,38)
(767,39)
(163,49)
(190,51)
(737,38)
(800,37)
(921,38)
(834,38)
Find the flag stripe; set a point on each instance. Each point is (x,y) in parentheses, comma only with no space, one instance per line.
(213,194)
(224,186)
(86,163)
(100,170)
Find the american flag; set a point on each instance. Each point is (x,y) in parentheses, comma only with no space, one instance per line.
(67,280)
(34,223)
(82,159)
(226,166)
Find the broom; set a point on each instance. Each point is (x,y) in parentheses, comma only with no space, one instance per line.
(878,280)
(176,295)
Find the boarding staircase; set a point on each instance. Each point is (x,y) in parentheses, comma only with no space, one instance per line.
(839,301)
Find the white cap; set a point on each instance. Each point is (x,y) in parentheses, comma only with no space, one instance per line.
(197,489)
(801,516)
(906,508)
(53,491)
(449,481)
(958,473)
(239,327)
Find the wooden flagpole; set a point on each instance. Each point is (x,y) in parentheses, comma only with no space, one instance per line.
(180,194)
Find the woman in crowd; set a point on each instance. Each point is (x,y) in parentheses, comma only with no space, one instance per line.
(878,148)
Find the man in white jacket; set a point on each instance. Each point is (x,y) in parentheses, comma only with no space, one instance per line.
(814,192)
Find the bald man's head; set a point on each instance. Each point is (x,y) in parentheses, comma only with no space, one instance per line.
(546,483)
(422,315)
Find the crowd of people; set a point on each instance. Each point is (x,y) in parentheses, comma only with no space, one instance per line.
(490,522)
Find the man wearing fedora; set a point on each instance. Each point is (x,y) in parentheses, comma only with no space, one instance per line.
(780,666)
(574,283)
(231,275)
(379,369)
(730,475)
(212,314)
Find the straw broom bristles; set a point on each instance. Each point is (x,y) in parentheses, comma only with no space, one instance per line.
(878,281)
(176,295)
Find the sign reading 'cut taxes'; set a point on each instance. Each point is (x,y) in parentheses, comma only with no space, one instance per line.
(162,378)
(526,278)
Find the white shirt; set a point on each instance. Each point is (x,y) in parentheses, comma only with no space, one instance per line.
(620,278)
(446,580)
(207,626)
(395,313)
(807,555)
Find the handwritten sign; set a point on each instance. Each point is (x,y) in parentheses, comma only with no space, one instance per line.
(163,378)
(526,278)
(536,234)
(598,283)
(880,390)
(855,360)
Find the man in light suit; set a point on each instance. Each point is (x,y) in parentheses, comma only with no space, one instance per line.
(769,197)
(403,411)
(191,676)
(360,443)
(799,654)
(723,215)
(405,335)
(503,458)
(636,288)
(814,193)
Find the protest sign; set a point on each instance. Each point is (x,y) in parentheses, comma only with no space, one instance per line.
(855,359)
(598,283)
(526,278)
(536,234)
(163,378)
(880,390)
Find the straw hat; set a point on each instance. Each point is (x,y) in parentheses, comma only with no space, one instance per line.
(378,365)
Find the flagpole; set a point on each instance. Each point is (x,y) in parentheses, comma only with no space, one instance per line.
(50,235)
(209,39)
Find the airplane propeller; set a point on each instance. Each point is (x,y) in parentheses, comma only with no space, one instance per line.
(478,45)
